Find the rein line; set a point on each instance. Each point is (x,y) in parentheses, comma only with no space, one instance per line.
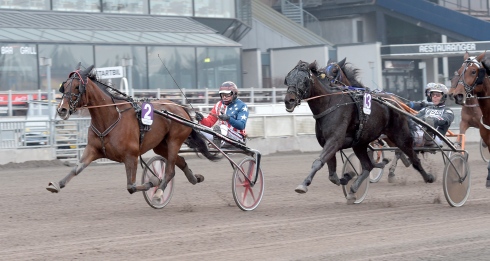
(121,103)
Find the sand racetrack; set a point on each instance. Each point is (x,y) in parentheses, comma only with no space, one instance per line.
(95,218)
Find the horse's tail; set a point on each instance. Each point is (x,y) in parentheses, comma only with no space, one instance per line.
(199,143)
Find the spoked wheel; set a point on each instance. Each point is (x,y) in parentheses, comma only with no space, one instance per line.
(157,165)
(247,197)
(456,180)
(352,164)
(485,155)
(377,157)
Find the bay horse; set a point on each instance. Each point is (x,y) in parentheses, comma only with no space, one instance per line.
(470,111)
(472,81)
(340,124)
(116,131)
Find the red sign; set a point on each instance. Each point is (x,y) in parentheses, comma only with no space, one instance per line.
(19,99)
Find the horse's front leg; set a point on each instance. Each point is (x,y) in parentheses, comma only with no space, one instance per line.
(367,166)
(332,170)
(131,165)
(327,153)
(89,154)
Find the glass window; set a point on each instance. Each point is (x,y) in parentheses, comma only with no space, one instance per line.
(64,58)
(25,4)
(181,65)
(171,7)
(77,5)
(216,65)
(110,56)
(125,6)
(215,8)
(18,67)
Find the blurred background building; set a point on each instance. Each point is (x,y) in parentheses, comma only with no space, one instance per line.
(399,45)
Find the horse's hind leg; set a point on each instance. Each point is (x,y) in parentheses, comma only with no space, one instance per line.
(391,173)
(89,155)
(406,146)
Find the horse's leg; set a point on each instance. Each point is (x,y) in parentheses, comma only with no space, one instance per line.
(391,174)
(182,164)
(406,146)
(367,166)
(131,165)
(488,175)
(332,168)
(463,126)
(329,150)
(173,148)
(89,154)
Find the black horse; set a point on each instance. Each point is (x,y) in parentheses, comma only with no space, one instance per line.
(343,73)
(340,124)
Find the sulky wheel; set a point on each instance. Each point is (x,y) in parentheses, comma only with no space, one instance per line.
(485,155)
(377,157)
(352,164)
(456,180)
(157,165)
(247,197)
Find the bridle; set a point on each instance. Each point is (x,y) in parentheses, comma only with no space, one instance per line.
(469,89)
(292,84)
(73,99)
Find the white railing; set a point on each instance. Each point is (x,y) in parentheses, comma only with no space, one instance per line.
(14,103)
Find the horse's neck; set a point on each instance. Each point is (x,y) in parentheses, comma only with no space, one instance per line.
(102,115)
(322,100)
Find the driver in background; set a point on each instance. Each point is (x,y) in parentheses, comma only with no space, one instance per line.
(231,114)
(437,115)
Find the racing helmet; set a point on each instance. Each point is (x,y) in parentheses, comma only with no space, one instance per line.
(229,87)
(429,86)
(439,87)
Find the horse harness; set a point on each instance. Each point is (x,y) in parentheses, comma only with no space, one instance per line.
(357,96)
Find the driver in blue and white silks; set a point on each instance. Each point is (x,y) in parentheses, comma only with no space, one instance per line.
(231,112)
(437,115)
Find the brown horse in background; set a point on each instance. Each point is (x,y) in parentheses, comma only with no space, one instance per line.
(116,132)
(472,81)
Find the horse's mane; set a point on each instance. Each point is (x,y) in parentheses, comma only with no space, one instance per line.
(109,90)
(352,74)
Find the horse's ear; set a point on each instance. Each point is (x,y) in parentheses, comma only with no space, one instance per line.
(480,57)
(486,62)
(466,56)
(342,63)
(313,66)
(87,71)
(78,66)
(329,61)
(300,61)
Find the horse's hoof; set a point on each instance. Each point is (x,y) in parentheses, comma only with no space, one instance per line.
(345,179)
(488,184)
(154,181)
(158,194)
(54,187)
(199,177)
(391,177)
(351,198)
(430,178)
(301,189)
(334,179)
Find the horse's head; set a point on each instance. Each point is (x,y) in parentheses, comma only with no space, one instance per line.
(334,72)
(298,82)
(73,89)
(468,79)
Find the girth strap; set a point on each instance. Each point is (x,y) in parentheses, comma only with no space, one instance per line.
(103,134)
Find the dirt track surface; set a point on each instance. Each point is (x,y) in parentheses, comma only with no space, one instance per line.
(95,218)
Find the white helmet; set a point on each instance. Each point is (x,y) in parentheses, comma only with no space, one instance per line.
(436,87)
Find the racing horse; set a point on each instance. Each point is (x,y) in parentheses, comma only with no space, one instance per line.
(116,131)
(346,75)
(471,80)
(470,111)
(340,125)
